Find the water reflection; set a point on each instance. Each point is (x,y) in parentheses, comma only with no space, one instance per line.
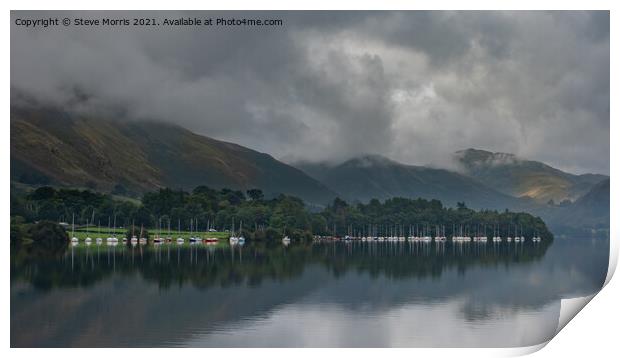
(326,294)
(204,265)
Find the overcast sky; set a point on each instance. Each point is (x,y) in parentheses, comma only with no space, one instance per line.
(413,86)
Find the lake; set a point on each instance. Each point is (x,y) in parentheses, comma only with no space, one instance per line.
(327,294)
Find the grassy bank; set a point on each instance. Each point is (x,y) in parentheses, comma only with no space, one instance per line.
(119,233)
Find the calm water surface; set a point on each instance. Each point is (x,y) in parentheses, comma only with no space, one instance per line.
(318,295)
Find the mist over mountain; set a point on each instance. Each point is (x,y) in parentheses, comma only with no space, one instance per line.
(330,86)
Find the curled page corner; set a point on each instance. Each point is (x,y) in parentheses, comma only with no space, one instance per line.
(569,307)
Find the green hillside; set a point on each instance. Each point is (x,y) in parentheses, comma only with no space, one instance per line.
(130,157)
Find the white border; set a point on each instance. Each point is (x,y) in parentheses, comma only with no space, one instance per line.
(594,329)
(317,5)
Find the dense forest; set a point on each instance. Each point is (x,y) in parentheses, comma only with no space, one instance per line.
(262,218)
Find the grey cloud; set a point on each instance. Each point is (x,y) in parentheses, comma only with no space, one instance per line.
(414,86)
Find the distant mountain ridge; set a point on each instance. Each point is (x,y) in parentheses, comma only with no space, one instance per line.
(50,146)
(594,205)
(519,177)
(374,176)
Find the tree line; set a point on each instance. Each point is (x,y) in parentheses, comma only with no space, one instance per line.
(267,218)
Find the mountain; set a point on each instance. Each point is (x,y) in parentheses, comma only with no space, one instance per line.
(593,206)
(519,177)
(374,176)
(596,200)
(49,146)
(588,215)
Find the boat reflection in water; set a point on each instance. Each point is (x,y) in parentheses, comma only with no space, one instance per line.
(353,294)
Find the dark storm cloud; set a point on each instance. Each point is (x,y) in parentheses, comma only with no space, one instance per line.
(414,86)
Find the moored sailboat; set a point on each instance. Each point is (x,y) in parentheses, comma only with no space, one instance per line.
(233,239)
(73,238)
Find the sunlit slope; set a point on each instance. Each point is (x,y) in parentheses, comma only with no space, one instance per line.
(525,178)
